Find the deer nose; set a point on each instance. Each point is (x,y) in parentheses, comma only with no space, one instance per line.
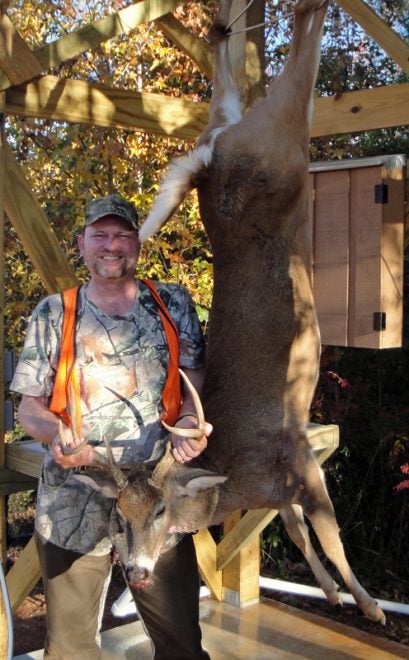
(137,577)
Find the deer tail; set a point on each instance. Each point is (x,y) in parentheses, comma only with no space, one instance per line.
(179,180)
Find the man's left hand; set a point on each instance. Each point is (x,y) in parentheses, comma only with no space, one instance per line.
(184,448)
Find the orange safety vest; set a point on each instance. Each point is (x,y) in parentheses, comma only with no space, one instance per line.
(67,376)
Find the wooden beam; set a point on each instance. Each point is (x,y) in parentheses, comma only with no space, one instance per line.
(237,49)
(78,101)
(195,48)
(206,558)
(376,28)
(255,52)
(3,513)
(16,59)
(73,44)
(24,575)
(14,482)
(247,528)
(26,64)
(241,575)
(364,110)
(33,229)
(26,457)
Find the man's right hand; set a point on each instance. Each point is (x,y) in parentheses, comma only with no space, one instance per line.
(83,457)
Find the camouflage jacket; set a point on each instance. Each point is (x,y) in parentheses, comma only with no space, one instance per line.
(123,365)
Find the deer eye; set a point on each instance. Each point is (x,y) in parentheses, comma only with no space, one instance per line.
(159,510)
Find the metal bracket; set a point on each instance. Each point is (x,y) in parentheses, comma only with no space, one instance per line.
(379,321)
(381,193)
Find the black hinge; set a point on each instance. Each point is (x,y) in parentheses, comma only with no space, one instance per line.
(9,365)
(379,321)
(381,193)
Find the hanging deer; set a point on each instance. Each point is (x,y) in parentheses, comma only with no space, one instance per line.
(263,351)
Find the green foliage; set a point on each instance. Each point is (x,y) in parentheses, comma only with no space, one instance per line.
(365,393)
(273,549)
(20,503)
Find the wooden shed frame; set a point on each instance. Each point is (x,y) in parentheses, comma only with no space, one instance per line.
(230,569)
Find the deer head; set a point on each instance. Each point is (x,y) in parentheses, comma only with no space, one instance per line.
(153,502)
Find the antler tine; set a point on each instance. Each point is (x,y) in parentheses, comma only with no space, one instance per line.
(110,463)
(190,433)
(104,462)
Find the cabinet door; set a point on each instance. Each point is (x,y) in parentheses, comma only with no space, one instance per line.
(357,216)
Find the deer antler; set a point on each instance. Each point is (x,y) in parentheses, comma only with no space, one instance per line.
(69,451)
(76,433)
(190,433)
(105,462)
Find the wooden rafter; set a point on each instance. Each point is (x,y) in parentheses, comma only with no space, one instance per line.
(33,228)
(363,110)
(73,44)
(196,49)
(78,101)
(16,59)
(50,97)
(375,27)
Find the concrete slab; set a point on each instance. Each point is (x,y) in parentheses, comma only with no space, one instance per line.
(262,631)
(119,643)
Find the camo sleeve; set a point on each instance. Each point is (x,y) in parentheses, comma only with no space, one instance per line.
(35,371)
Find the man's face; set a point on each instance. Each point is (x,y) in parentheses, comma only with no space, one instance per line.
(110,248)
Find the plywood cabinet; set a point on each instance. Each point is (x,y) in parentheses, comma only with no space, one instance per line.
(357,212)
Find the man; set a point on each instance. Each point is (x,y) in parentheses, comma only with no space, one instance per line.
(121,355)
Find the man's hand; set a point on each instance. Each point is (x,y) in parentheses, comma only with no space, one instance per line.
(184,448)
(83,457)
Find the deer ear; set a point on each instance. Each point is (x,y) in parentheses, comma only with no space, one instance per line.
(194,480)
(101,482)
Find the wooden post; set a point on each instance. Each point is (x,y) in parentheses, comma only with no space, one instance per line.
(2,450)
(241,575)
(5,634)
(255,53)
(237,48)
(246,50)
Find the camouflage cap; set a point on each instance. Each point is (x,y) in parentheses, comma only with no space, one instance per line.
(111,205)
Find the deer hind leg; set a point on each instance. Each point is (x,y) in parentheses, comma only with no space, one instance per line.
(225,107)
(297,530)
(298,78)
(318,507)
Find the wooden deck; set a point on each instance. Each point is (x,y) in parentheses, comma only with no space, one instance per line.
(258,632)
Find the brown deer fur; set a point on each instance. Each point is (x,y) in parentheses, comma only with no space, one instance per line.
(263,350)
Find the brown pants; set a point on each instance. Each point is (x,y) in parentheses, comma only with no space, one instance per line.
(75,587)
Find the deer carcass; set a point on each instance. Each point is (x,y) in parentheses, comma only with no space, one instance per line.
(263,352)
